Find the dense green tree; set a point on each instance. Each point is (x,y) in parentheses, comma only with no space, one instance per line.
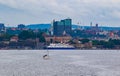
(84,40)
(40,36)
(26,35)
(115,41)
(107,44)
(33,35)
(95,42)
(5,36)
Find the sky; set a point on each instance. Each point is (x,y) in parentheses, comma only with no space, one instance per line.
(102,12)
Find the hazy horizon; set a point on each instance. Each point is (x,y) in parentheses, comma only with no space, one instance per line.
(104,12)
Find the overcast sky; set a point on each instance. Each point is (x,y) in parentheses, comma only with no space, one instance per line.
(103,12)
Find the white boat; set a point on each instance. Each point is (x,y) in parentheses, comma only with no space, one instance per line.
(60,46)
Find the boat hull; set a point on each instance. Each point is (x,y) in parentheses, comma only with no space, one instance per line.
(60,48)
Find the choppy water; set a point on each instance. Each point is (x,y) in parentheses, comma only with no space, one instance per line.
(60,63)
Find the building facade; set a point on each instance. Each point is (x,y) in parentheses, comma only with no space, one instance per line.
(2,27)
(61,27)
(60,39)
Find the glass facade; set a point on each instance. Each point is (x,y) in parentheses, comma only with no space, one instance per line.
(59,27)
(2,26)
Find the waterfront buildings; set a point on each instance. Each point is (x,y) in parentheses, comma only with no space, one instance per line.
(60,39)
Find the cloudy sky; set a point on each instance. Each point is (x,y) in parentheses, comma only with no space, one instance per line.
(103,12)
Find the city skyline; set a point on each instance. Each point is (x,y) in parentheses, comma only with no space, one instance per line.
(104,12)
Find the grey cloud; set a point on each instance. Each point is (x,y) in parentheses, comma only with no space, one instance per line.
(102,11)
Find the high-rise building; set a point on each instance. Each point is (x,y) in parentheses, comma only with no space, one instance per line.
(58,28)
(67,25)
(63,26)
(2,27)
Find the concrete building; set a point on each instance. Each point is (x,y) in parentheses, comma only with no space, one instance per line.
(60,39)
(14,39)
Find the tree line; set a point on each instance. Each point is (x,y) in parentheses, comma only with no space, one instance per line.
(24,35)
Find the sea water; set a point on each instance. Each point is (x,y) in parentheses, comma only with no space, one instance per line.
(60,63)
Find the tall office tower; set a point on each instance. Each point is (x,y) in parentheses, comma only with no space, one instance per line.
(67,25)
(59,27)
(2,27)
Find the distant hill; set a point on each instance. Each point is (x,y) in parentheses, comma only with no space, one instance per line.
(47,26)
(43,26)
(38,26)
(110,28)
(103,27)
